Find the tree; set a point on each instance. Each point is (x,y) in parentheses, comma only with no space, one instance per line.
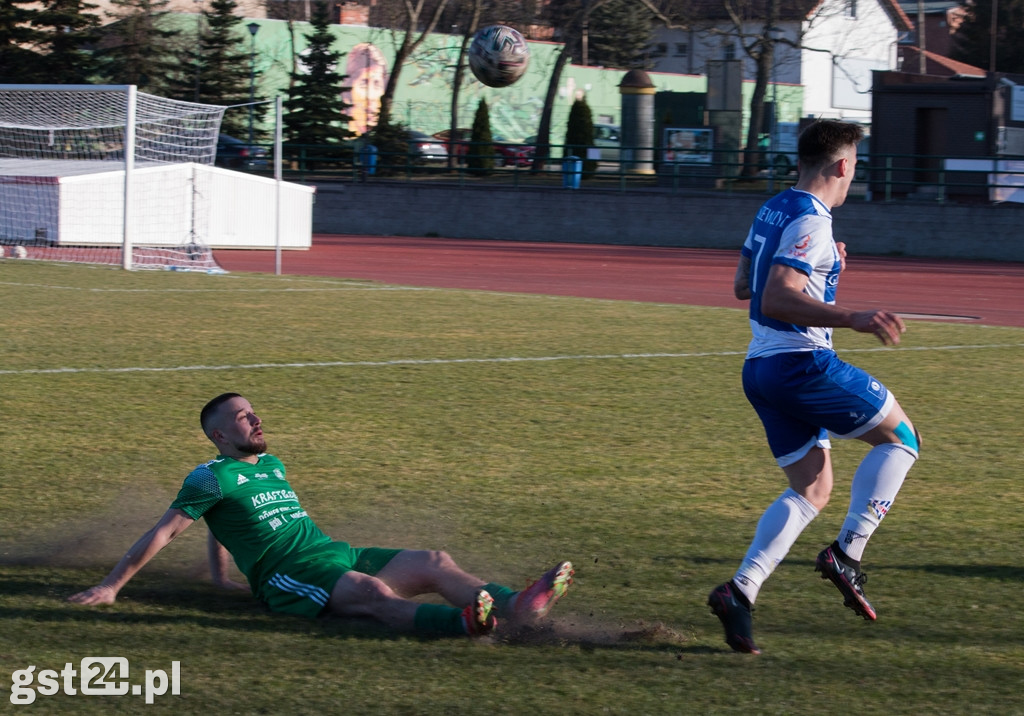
(408,16)
(480,158)
(753,24)
(220,69)
(470,16)
(392,144)
(470,24)
(579,134)
(315,110)
(569,19)
(19,62)
(972,42)
(618,34)
(70,28)
(138,48)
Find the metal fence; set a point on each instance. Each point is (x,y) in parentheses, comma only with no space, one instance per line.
(891,177)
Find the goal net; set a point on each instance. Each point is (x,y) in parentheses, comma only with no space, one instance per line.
(105,174)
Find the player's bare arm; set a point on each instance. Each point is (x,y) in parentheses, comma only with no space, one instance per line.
(220,560)
(172,524)
(784,300)
(741,283)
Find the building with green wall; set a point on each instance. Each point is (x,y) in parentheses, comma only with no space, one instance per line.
(423,98)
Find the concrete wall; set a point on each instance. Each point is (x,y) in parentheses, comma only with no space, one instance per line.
(655,218)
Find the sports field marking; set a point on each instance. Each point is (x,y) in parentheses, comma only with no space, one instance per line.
(456,361)
(342,286)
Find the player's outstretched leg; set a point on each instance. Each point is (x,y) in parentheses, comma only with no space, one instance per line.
(732,609)
(478,616)
(847,578)
(536,600)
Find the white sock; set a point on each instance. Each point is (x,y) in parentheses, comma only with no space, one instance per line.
(875,484)
(777,530)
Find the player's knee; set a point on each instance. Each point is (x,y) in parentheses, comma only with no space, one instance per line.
(357,594)
(438,560)
(909,437)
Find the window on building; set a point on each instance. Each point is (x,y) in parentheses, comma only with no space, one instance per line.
(682,49)
(851,8)
(729,51)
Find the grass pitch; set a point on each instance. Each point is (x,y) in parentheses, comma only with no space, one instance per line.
(512,431)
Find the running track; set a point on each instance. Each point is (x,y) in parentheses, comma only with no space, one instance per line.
(965,291)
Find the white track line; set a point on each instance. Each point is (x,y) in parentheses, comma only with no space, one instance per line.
(456,361)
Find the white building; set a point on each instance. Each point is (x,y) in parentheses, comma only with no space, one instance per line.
(829,49)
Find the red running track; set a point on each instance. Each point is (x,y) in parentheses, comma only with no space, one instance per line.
(967,291)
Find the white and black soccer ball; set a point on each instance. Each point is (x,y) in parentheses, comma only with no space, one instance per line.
(498,55)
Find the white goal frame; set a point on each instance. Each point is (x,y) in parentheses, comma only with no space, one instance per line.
(151,148)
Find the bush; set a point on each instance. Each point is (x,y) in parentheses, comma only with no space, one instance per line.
(480,154)
(579,135)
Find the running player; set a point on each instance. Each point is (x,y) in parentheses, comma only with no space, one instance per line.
(789,269)
(293,567)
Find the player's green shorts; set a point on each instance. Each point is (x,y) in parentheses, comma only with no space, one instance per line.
(303,585)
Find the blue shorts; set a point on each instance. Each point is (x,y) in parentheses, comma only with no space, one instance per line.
(801,397)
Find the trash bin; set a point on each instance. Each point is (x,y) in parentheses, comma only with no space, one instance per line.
(368,159)
(572,170)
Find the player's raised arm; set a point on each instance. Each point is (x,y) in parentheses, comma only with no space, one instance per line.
(172,524)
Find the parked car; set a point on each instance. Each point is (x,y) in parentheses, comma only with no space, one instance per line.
(426,147)
(608,138)
(506,152)
(233,153)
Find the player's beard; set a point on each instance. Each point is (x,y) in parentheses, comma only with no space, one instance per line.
(254,446)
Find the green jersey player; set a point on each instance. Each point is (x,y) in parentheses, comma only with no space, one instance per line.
(255,517)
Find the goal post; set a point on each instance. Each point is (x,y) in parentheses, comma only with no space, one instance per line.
(106,174)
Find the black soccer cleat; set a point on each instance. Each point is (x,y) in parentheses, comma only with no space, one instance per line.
(847,579)
(735,617)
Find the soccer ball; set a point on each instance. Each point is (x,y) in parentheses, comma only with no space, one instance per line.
(498,55)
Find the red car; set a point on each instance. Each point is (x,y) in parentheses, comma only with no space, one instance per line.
(506,153)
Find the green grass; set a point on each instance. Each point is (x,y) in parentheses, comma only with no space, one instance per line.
(404,421)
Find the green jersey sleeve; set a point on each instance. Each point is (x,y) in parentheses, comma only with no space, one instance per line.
(200,492)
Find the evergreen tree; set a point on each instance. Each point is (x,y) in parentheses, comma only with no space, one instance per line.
(216,70)
(18,62)
(315,112)
(139,49)
(972,42)
(70,29)
(579,134)
(480,157)
(392,144)
(620,32)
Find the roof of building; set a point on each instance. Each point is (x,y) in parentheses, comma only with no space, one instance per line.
(940,64)
(789,10)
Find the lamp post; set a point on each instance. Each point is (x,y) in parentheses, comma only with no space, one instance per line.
(254,27)
(199,44)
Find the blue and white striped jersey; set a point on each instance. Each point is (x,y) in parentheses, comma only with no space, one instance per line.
(792,228)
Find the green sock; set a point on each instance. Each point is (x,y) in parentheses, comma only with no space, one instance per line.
(503,597)
(439,619)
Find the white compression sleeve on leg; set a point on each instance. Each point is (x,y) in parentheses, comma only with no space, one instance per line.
(875,484)
(777,530)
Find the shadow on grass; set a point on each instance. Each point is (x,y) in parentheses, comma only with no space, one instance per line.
(40,597)
(1005,573)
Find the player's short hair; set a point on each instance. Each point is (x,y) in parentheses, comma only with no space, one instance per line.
(825,140)
(209,410)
